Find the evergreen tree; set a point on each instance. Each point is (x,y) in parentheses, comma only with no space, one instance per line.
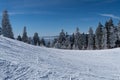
(25,37)
(84,41)
(99,36)
(72,40)
(36,39)
(118,31)
(94,46)
(111,37)
(104,39)
(57,45)
(90,39)
(19,38)
(67,42)
(78,40)
(108,34)
(61,39)
(42,42)
(6,26)
(86,45)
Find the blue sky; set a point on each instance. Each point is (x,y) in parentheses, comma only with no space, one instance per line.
(48,17)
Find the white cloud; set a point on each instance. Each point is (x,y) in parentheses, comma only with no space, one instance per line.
(26,13)
(110,15)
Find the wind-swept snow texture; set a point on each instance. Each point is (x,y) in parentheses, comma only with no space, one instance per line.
(20,61)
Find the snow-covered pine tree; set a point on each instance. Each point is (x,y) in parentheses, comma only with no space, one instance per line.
(78,40)
(6,26)
(36,39)
(99,36)
(90,39)
(107,28)
(61,39)
(72,38)
(57,45)
(24,36)
(111,36)
(104,38)
(118,32)
(67,42)
(62,36)
(83,41)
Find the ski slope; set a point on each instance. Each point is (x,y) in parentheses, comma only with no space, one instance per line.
(20,61)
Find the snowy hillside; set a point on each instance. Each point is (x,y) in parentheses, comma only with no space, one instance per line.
(20,61)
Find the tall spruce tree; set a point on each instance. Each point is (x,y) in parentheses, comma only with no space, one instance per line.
(111,37)
(6,26)
(90,39)
(62,39)
(67,42)
(62,36)
(104,39)
(24,36)
(78,40)
(99,36)
(84,41)
(72,40)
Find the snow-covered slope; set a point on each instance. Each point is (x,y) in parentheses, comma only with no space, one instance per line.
(20,61)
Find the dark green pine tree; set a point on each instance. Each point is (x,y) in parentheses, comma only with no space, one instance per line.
(6,26)
(36,39)
(25,37)
(19,38)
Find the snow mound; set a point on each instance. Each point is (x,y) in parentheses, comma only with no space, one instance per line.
(20,61)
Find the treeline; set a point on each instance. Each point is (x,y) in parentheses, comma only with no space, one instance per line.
(105,37)
(35,40)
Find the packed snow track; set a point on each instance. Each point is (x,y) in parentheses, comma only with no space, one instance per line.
(20,61)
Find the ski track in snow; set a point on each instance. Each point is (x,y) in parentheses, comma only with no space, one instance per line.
(20,61)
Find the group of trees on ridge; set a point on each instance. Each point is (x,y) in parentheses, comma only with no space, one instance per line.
(105,37)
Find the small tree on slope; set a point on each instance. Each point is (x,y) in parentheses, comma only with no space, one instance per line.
(25,37)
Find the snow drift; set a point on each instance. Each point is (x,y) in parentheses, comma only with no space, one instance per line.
(20,61)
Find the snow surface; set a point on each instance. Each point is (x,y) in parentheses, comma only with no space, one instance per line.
(20,61)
